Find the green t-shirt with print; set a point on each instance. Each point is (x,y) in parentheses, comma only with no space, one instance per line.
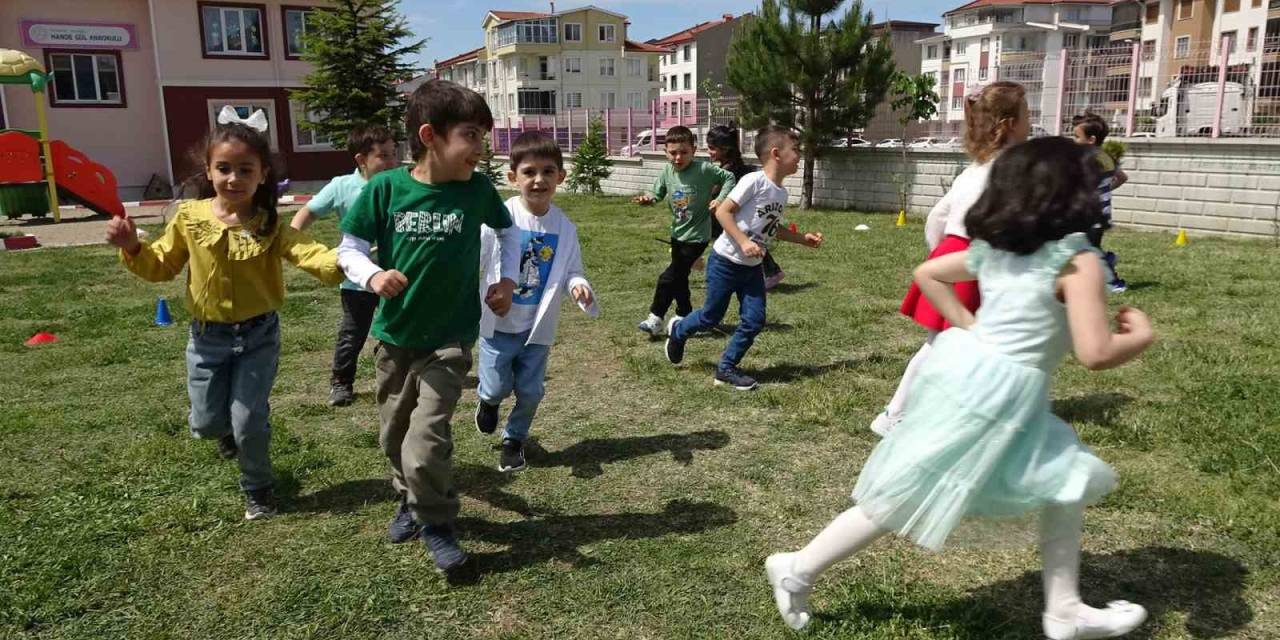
(431,234)
(688,193)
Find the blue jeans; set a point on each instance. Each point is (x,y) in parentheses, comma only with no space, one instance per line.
(230,370)
(508,364)
(726,278)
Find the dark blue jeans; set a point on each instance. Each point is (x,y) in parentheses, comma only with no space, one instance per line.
(726,278)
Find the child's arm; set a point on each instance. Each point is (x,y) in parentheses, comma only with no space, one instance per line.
(302,219)
(656,192)
(935,278)
(310,255)
(1119,178)
(935,226)
(724,215)
(159,261)
(498,296)
(725,183)
(1095,345)
(579,288)
(319,207)
(354,258)
(813,240)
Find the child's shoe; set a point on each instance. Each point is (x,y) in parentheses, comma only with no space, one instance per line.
(675,347)
(1119,286)
(885,423)
(773,280)
(227,448)
(403,527)
(259,504)
(512,457)
(1117,619)
(651,325)
(341,394)
(442,542)
(735,378)
(790,593)
(486,417)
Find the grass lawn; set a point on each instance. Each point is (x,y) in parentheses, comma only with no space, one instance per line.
(653,497)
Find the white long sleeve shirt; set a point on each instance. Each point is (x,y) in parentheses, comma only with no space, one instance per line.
(355,256)
(947,217)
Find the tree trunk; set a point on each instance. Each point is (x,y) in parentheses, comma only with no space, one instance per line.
(806,194)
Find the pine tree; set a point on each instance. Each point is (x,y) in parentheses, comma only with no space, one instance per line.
(591,163)
(822,80)
(491,170)
(358,50)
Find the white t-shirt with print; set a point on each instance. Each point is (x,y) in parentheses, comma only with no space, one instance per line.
(539,245)
(760,204)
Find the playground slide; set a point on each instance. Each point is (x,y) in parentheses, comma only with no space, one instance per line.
(78,178)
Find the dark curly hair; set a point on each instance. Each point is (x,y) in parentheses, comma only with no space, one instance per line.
(264,196)
(1038,192)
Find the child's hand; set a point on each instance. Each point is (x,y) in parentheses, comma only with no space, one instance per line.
(498,296)
(1132,321)
(582,295)
(388,284)
(813,240)
(751,250)
(713,205)
(122,233)
(643,199)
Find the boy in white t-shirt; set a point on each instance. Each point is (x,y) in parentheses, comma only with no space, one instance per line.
(514,348)
(752,218)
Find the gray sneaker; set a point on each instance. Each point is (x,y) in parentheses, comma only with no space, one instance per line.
(735,378)
(341,394)
(651,325)
(442,542)
(227,448)
(259,504)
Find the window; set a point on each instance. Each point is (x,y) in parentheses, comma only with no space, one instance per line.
(572,32)
(573,100)
(957,76)
(1144,87)
(1230,6)
(1252,43)
(1231,38)
(536,31)
(688,81)
(960,47)
(607,100)
(295,26)
(1071,41)
(1072,14)
(931,52)
(688,52)
(534,102)
(306,139)
(606,33)
(635,100)
(1186,9)
(606,67)
(688,109)
(1153,13)
(1148,50)
(245,108)
(1256,3)
(232,30)
(635,67)
(982,74)
(674,80)
(522,67)
(957,103)
(85,78)
(544,69)
(573,65)
(1182,47)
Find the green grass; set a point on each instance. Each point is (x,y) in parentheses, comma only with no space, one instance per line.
(652,496)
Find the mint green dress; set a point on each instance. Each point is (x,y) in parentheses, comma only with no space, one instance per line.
(979,437)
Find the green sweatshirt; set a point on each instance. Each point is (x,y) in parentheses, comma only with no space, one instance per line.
(688,193)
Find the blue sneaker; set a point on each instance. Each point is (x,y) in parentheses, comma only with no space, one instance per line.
(735,378)
(403,527)
(442,542)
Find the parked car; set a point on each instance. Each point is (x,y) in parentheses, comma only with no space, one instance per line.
(643,143)
(889,143)
(1143,134)
(952,144)
(858,141)
(1038,131)
(849,143)
(923,143)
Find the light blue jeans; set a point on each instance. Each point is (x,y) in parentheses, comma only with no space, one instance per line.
(508,364)
(230,370)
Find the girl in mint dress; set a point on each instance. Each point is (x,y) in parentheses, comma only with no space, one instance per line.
(979,437)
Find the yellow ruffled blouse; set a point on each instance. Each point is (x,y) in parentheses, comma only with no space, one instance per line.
(234,274)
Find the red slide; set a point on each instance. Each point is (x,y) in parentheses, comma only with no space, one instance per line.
(79,178)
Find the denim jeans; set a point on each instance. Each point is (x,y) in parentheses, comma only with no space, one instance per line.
(357,315)
(230,370)
(726,278)
(508,364)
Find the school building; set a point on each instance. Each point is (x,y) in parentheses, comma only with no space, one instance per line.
(137,83)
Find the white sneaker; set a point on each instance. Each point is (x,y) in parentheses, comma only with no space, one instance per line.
(885,423)
(790,593)
(651,325)
(1120,617)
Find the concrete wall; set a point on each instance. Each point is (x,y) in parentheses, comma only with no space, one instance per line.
(1220,187)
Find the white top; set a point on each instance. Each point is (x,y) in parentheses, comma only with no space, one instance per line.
(760,202)
(550,267)
(947,217)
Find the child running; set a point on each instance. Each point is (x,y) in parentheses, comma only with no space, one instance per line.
(426,223)
(980,439)
(723,147)
(996,117)
(232,243)
(374,150)
(514,349)
(1091,130)
(752,217)
(688,185)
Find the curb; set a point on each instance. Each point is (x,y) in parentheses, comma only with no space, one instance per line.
(285,200)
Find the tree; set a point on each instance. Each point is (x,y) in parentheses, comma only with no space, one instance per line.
(822,80)
(915,99)
(591,162)
(491,170)
(357,50)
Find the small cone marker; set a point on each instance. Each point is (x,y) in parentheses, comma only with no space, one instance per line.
(163,319)
(44,337)
(1181,241)
(902,218)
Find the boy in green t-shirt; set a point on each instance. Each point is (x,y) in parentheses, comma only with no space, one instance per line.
(425,221)
(688,185)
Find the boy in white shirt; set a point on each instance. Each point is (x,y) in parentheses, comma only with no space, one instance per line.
(752,218)
(514,348)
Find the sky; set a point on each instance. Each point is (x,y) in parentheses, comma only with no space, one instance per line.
(453,26)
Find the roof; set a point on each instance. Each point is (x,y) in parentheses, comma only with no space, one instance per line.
(687,34)
(504,16)
(643,47)
(977,4)
(462,57)
(906,25)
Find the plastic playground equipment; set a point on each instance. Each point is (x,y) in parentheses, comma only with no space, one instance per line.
(35,170)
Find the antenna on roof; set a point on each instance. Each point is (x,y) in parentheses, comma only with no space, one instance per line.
(553,6)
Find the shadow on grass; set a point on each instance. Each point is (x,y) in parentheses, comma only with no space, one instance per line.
(1098,408)
(1139,286)
(345,497)
(792,287)
(1202,587)
(791,372)
(559,537)
(586,458)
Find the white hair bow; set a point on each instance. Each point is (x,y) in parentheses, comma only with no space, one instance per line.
(256,121)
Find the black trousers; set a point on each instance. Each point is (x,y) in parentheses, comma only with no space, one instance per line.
(357,316)
(673,284)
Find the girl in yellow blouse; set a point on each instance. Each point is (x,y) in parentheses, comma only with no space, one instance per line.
(233,243)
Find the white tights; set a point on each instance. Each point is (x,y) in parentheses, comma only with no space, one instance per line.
(899,401)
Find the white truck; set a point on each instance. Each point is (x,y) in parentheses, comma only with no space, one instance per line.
(1188,109)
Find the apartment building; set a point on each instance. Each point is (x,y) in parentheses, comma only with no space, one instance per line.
(903,36)
(696,55)
(542,63)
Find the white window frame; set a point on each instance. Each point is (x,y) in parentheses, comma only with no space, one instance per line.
(635,67)
(1182,47)
(608,100)
(635,100)
(297,115)
(1233,41)
(242,52)
(610,67)
(573,65)
(266,104)
(573,100)
(1177,8)
(305,12)
(566,31)
(609,29)
(686,54)
(687,83)
(58,100)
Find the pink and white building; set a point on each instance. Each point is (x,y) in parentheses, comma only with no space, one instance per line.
(695,55)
